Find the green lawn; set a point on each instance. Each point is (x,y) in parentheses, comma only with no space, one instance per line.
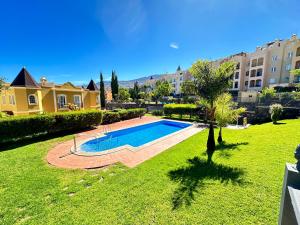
(176,187)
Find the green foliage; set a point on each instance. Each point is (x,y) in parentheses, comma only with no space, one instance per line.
(102,91)
(32,192)
(226,111)
(135,92)
(18,127)
(157,112)
(122,114)
(267,94)
(188,88)
(1,83)
(162,89)
(3,115)
(123,95)
(276,111)
(114,84)
(295,72)
(210,84)
(180,109)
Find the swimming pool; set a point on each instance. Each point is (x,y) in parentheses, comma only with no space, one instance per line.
(134,136)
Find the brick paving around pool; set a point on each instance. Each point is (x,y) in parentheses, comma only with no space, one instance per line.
(61,155)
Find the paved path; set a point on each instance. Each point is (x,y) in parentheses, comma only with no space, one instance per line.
(60,155)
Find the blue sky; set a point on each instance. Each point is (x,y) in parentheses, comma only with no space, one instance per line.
(74,40)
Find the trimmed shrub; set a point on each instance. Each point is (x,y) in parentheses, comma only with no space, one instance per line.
(111,117)
(122,114)
(157,112)
(276,111)
(180,109)
(19,127)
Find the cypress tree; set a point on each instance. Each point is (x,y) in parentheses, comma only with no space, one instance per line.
(112,84)
(102,91)
(116,83)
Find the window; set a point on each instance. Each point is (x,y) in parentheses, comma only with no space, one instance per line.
(77,100)
(273,69)
(274,58)
(32,100)
(258,83)
(246,83)
(236,84)
(3,99)
(297,66)
(248,63)
(288,67)
(260,61)
(252,83)
(272,81)
(253,73)
(254,63)
(247,73)
(12,100)
(238,66)
(237,75)
(61,101)
(259,73)
(290,55)
(298,52)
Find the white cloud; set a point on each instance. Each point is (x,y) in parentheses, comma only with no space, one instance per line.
(174,45)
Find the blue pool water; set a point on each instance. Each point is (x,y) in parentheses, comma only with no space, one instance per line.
(135,136)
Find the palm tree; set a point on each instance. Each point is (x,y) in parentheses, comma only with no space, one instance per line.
(210,83)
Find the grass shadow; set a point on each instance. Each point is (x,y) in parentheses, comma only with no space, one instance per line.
(191,179)
(34,139)
(224,149)
(279,123)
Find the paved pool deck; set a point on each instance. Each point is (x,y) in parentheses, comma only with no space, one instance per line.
(61,156)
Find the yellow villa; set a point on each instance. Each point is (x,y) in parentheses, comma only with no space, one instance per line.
(25,96)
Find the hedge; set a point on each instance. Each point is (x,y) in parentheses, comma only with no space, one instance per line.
(180,109)
(122,114)
(19,127)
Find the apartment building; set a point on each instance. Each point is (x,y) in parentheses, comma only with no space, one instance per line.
(268,66)
(25,96)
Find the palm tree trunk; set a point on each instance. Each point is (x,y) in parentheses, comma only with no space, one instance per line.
(220,139)
(210,142)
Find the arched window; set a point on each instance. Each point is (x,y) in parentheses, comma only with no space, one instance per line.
(32,100)
(298,52)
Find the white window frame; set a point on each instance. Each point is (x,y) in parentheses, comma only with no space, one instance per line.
(75,103)
(58,101)
(274,58)
(288,67)
(273,69)
(35,99)
(290,55)
(3,99)
(12,100)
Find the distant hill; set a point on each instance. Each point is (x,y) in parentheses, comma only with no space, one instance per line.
(130,83)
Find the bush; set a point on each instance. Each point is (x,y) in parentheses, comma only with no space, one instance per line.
(110,117)
(180,109)
(275,111)
(122,114)
(19,127)
(157,112)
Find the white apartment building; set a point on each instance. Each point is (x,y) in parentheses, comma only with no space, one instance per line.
(268,66)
